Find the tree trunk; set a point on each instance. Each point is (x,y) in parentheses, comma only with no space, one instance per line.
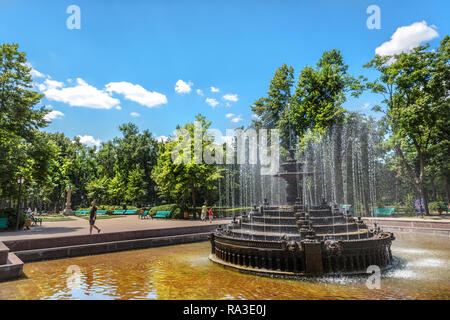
(422,190)
(447,186)
(433,188)
(396,182)
(193,200)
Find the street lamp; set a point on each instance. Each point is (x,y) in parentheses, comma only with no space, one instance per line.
(20,181)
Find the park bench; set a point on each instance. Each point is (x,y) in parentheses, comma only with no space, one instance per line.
(161,214)
(3,223)
(143,215)
(35,220)
(347,208)
(130,212)
(384,211)
(119,212)
(81,212)
(101,212)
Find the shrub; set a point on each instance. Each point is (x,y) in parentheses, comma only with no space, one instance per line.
(434,206)
(409,204)
(10,213)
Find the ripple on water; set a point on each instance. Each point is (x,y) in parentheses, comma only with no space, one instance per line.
(184,272)
(412,251)
(428,262)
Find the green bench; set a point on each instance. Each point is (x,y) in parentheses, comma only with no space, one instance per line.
(347,208)
(383,211)
(119,212)
(161,214)
(81,212)
(143,215)
(130,212)
(3,223)
(85,212)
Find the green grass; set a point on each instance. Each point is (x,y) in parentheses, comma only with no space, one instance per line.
(54,217)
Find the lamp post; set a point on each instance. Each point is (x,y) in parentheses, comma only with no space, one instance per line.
(20,181)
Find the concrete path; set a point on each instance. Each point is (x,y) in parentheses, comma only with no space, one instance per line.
(80,226)
(441,218)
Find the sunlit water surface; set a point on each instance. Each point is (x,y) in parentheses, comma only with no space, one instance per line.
(184,272)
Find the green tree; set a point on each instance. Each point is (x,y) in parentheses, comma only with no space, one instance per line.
(415,85)
(21,151)
(180,181)
(271,109)
(317,104)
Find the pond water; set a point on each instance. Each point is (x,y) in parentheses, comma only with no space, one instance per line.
(185,272)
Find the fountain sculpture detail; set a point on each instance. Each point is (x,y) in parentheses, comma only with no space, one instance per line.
(296,240)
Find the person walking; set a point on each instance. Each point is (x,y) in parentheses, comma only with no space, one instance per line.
(204,211)
(210,215)
(93,217)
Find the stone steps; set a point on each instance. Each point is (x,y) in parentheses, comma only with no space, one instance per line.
(276,236)
(11,267)
(278,213)
(274,220)
(336,228)
(270,227)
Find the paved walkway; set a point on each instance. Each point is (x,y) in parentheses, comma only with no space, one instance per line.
(80,226)
(443,218)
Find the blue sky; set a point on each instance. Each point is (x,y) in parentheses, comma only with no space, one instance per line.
(125,61)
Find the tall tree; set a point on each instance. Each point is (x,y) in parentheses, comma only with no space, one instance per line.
(272,108)
(181,181)
(416,86)
(317,103)
(19,122)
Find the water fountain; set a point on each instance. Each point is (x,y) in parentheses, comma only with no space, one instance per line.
(300,238)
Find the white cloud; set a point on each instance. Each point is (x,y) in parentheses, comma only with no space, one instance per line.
(182,87)
(229,115)
(199,92)
(214,89)
(212,102)
(118,107)
(231,97)
(236,119)
(135,114)
(136,93)
(90,141)
(53,115)
(256,117)
(49,84)
(37,74)
(81,95)
(365,106)
(406,38)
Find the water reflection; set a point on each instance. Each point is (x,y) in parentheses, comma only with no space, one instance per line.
(184,272)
